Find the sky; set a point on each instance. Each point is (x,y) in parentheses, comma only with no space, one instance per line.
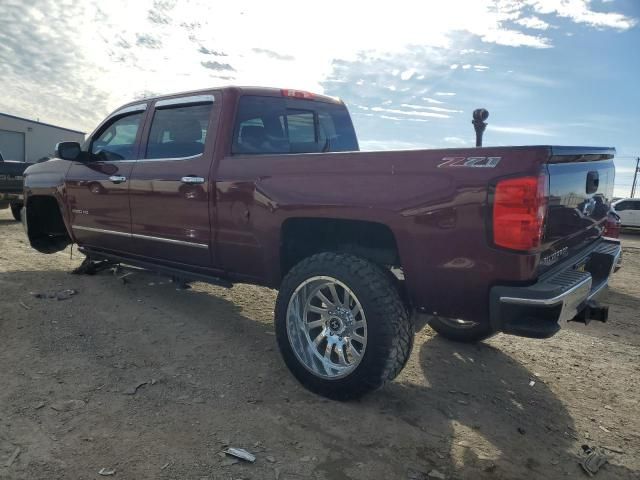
(562,72)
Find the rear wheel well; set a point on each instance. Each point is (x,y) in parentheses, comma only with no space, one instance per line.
(45,226)
(303,237)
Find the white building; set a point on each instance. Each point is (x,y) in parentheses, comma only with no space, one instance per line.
(29,141)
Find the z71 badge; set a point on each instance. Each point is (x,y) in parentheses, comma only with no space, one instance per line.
(470,162)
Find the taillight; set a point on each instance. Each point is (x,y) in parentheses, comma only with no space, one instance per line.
(612,226)
(297,94)
(519,211)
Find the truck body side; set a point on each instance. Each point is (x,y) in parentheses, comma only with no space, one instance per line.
(425,212)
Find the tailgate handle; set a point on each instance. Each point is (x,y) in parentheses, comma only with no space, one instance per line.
(593,180)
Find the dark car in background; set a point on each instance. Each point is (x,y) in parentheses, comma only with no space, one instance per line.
(11,181)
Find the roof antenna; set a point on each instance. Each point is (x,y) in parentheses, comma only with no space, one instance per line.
(479,117)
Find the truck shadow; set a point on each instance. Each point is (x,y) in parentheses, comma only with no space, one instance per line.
(467,411)
(493,422)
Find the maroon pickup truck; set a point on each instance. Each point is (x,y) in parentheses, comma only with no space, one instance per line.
(267,186)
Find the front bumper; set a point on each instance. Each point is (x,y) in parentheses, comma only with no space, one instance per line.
(539,310)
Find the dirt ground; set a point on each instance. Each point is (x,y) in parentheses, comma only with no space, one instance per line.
(69,368)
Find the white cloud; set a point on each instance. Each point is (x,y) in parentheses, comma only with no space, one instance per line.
(480,67)
(456,140)
(515,38)
(445,94)
(432,100)
(466,66)
(86,57)
(453,66)
(579,11)
(409,113)
(433,109)
(407,74)
(535,23)
(379,145)
(520,130)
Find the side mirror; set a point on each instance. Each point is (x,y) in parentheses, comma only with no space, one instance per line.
(68,150)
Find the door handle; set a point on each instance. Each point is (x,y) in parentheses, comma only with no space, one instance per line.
(117,179)
(192,180)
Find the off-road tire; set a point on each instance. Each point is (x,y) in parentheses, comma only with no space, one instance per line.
(473,334)
(390,329)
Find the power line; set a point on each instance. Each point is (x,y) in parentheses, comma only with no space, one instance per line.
(635,177)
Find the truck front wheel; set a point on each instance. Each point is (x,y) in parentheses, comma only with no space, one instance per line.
(341,325)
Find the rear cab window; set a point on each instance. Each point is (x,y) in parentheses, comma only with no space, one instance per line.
(272,125)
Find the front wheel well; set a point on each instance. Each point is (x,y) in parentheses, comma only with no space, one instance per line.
(304,237)
(45,226)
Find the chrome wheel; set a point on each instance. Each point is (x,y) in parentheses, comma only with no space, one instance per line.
(326,327)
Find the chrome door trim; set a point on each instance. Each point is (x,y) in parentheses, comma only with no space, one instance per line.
(183,100)
(100,230)
(142,237)
(138,107)
(142,160)
(169,240)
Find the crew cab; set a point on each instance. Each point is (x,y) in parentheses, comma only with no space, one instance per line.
(267,186)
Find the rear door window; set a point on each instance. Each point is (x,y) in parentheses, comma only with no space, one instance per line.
(276,125)
(178,132)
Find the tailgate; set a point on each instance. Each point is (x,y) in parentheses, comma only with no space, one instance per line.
(580,190)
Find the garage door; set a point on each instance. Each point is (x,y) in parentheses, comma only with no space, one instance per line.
(12,145)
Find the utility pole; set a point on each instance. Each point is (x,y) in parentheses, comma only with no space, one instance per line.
(635,176)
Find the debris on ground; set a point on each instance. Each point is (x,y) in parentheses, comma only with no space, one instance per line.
(13,457)
(241,454)
(125,278)
(91,267)
(166,465)
(39,406)
(595,458)
(532,383)
(521,431)
(416,474)
(68,405)
(106,472)
(613,449)
(436,474)
(24,305)
(270,459)
(66,294)
(133,390)
(59,295)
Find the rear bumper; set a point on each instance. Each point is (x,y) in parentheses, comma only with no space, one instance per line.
(539,310)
